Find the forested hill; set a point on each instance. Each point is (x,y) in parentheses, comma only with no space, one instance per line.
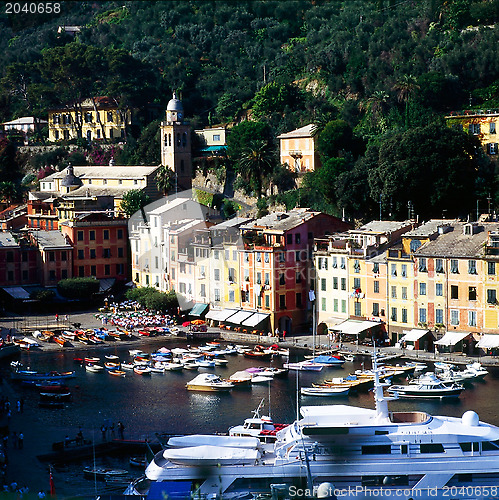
(381,66)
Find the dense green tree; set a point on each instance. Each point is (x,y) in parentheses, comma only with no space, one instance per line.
(165,178)
(78,288)
(133,201)
(274,98)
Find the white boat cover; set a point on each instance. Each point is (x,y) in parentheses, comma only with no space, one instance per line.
(452,338)
(220,315)
(240,375)
(214,440)
(211,455)
(413,335)
(255,319)
(488,341)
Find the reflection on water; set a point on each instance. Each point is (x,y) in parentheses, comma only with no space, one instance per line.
(160,403)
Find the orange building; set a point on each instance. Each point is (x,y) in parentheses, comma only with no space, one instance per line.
(298,150)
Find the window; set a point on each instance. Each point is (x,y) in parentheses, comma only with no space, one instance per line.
(335,283)
(472,267)
(376,268)
(431,448)
(454,292)
(404,271)
(474,128)
(393,316)
(439,289)
(297,256)
(357,309)
(267,278)
(343,306)
(93,270)
(282,301)
(472,293)
(107,269)
(343,283)
(298,277)
(454,266)
(376,287)
(422,315)
(281,257)
(81,272)
(439,316)
(80,236)
(232,275)
(64,274)
(335,262)
(393,269)
(258,257)
(267,301)
(217,294)
(216,254)
(202,291)
(106,253)
(106,234)
(491,268)
(216,274)
(226,255)
(439,266)
(491,296)
(81,254)
(216,137)
(343,263)
(51,256)
(472,318)
(335,305)
(120,252)
(394,292)
(323,284)
(92,235)
(282,280)
(297,238)
(298,300)
(492,148)
(93,254)
(375,309)
(258,278)
(422,265)
(454,317)
(232,296)
(492,128)
(404,315)
(356,283)
(422,289)
(120,268)
(266,257)
(356,266)
(64,256)
(323,303)
(52,275)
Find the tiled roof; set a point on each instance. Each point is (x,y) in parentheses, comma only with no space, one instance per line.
(7,240)
(305,131)
(455,243)
(429,228)
(50,239)
(106,172)
(381,226)
(282,221)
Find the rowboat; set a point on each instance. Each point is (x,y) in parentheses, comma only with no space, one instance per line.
(142,370)
(117,373)
(92,360)
(94,368)
(111,366)
(324,391)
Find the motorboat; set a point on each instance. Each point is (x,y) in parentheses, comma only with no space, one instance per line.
(375,452)
(258,378)
(19,373)
(427,387)
(209,382)
(324,391)
(117,373)
(142,370)
(101,473)
(476,369)
(94,368)
(304,366)
(330,361)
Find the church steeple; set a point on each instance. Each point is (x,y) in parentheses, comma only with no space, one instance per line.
(176,143)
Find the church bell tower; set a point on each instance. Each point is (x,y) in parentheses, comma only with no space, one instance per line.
(176,143)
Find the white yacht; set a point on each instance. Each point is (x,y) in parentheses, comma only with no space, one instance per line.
(355,452)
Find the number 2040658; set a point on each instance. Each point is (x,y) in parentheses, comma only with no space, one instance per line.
(32,8)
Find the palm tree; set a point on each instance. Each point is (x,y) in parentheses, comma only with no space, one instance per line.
(164,178)
(255,164)
(404,87)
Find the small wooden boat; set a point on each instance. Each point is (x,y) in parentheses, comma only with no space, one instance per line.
(102,474)
(139,462)
(112,357)
(92,360)
(127,366)
(117,373)
(324,391)
(61,341)
(94,368)
(142,370)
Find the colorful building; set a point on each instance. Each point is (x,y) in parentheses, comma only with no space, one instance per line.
(298,149)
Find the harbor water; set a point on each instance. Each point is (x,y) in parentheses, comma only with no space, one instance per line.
(161,404)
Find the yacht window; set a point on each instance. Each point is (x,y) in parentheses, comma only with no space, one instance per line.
(403,449)
(383,449)
(254,426)
(384,480)
(489,445)
(431,448)
(468,446)
(380,433)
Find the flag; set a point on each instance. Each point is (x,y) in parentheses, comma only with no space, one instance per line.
(52,485)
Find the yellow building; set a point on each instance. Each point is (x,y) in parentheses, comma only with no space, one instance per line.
(96,118)
(482,123)
(298,150)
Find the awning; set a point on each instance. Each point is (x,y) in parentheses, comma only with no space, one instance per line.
(413,335)
(255,319)
(239,317)
(17,292)
(354,327)
(452,338)
(198,309)
(332,321)
(488,341)
(106,284)
(220,315)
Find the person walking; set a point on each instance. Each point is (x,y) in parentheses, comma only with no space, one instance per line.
(121,429)
(103,429)
(20,441)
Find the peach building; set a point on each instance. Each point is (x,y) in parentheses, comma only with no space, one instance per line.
(298,149)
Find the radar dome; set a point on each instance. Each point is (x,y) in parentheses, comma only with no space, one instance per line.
(174,104)
(325,490)
(470,418)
